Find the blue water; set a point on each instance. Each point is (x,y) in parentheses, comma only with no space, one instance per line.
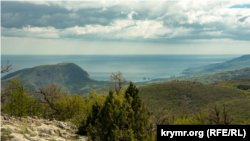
(133,67)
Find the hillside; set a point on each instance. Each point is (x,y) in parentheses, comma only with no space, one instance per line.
(204,78)
(72,78)
(215,77)
(234,64)
(188,97)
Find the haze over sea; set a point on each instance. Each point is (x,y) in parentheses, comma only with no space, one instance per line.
(133,67)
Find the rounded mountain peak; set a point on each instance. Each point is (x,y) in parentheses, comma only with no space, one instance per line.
(66,74)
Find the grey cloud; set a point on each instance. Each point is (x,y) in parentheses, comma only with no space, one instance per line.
(176,20)
(19,14)
(244,18)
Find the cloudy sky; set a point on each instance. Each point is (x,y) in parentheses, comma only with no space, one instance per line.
(125,27)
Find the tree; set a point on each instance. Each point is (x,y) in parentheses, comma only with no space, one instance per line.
(82,130)
(111,121)
(213,115)
(220,115)
(140,117)
(50,95)
(18,101)
(4,90)
(2,93)
(116,82)
(97,102)
(119,119)
(6,68)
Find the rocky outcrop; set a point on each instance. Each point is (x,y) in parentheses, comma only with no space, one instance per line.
(36,129)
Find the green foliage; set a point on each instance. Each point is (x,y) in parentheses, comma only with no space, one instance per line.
(140,115)
(34,108)
(111,121)
(71,107)
(82,130)
(205,78)
(122,117)
(69,75)
(188,95)
(18,101)
(199,119)
(214,114)
(92,107)
(243,87)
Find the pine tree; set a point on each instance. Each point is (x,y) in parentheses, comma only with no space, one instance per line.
(139,118)
(122,118)
(82,130)
(111,121)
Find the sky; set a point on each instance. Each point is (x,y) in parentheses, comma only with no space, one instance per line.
(125,27)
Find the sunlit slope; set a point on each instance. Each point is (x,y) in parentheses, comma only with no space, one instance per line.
(187,97)
(234,64)
(69,75)
(184,94)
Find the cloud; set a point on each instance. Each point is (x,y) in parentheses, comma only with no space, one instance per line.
(243,18)
(130,15)
(34,32)
(133,21)
(103,9)
(22,14)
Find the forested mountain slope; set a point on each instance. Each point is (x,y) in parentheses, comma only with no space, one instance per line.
(234,64)
(187,97)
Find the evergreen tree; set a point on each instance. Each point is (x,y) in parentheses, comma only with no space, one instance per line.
(120,120)
(111,122)
(82,130)
(139,118)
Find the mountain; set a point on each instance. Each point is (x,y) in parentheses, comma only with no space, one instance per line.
(187,97)
(72,77)
(204,78)
(215,77)
(234,64)
(191,95)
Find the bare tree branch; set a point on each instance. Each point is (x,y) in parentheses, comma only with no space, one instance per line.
(6,67)
(50,95)
(117,82)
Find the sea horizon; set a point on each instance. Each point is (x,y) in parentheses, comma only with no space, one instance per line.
(133,66)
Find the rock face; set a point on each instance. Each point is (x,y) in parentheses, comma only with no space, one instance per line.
(35,129)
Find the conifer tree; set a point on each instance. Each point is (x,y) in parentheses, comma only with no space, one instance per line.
(139,118)
(111,122)
(120,120)
(82,130)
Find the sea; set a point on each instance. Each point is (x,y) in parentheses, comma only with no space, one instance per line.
(137,68)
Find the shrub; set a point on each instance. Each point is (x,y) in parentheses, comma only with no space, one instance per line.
(18,101)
